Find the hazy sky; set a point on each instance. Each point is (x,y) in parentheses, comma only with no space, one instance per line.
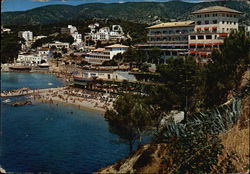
(20,5)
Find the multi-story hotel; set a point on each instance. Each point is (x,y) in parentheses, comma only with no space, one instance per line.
(208,29)
(171,37)
(212,26)
(100,55)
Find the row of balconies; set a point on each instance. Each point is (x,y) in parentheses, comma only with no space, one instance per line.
(168,41)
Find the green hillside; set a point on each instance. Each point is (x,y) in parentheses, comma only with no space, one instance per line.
(143,12)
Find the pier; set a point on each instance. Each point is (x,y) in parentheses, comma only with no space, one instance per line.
(27,91)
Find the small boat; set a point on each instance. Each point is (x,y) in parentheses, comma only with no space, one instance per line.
(7,101)
(50,84)
(20,68)
(43,65)
(2,170)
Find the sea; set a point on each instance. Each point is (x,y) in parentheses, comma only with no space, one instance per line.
(53,138)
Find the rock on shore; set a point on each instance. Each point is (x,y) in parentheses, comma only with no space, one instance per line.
(21,103)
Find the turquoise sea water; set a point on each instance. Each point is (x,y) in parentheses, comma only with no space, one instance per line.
(50,138)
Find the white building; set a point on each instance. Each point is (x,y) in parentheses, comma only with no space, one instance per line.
(212,26)
(44,52)
(59,45)
(3,30)
(100,55)
(105,75)
(39,37)
(171,38)
(30,59)
(105,34)
(27,35)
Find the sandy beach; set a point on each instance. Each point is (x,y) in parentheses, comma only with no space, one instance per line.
(83,99)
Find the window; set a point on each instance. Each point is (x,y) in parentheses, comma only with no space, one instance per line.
(206,22)
(208,36)
(193,37)
(215,14)
(234,23)
(215,21)
(223,14)
(200,37)
(198,22)
(223,22)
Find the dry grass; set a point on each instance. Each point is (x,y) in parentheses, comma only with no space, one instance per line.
(236,141)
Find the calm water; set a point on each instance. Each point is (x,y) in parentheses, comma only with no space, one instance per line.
(52,138)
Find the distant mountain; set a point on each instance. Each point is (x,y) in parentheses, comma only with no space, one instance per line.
(143,12)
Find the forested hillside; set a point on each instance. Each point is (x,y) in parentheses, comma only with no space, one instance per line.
(143,12)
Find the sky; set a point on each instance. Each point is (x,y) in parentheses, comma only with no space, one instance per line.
(21,5)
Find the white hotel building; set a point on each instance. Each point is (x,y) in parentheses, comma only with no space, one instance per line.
(100,55)
(171,38)
(212,26)
(208,29)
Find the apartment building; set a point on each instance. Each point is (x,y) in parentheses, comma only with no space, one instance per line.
(27,35)
(171,38)
(212,26)
(100,55)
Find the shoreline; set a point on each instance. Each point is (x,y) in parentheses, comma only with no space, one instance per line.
(79,98)
(65,95)
(82,107)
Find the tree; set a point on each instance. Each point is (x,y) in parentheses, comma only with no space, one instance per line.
(57,56)
(129,119)
(109,63)
(185,79)
(65,38)
(118,58)
(10,46)
(160,101)
(224,74)
(83,63)
(155,55)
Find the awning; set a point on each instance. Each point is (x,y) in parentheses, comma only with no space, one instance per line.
(198,28)
(200,44)
(192,52)
(192,44)
(209,44)
(203,53)
(214,28)
(223,34)
(206,28)
(219,43)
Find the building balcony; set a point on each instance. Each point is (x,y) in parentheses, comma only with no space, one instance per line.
(167,34)
(168,42)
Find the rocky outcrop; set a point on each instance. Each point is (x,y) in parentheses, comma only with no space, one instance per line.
(21,103)
(147,159)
